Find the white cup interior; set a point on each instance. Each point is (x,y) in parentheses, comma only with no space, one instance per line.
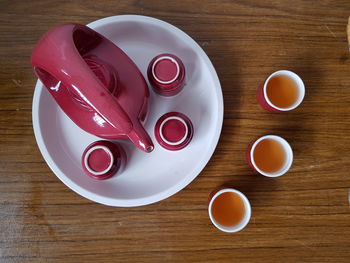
(245,219)
(299,84)
(287,150)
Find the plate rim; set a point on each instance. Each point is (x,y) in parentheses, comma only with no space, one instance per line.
(174,188)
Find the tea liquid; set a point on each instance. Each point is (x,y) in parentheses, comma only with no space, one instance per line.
(282,91)
(228,209)
(269,155)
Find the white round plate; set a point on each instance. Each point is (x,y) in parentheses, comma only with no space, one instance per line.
(147,178)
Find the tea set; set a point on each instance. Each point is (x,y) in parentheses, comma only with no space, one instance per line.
(111,105)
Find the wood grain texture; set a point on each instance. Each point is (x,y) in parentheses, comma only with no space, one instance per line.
(301,217)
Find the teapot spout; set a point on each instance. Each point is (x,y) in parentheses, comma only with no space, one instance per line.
(141,138)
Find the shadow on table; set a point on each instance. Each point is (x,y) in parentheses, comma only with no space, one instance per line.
(252,186)
(227,67)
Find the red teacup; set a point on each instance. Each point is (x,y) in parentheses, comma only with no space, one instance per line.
(282,91)
(103,159)
(173,131)
(270,155)
(166,73)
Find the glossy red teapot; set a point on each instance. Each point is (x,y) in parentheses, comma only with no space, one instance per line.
(94,82)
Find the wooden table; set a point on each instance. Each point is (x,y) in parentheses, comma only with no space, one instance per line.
(303,216)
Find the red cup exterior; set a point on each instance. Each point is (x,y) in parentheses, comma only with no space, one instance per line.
(263,102)
(163,143)
(119,157)
(169,89)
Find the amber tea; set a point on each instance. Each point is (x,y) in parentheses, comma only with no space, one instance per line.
(228,209)
(282,91)
(269,156)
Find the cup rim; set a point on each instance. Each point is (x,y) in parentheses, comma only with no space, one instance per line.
(299,83)
(287,148)
(172,60)
(244,222)
(86,157)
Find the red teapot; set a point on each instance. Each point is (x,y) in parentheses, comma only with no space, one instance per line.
(94,82)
